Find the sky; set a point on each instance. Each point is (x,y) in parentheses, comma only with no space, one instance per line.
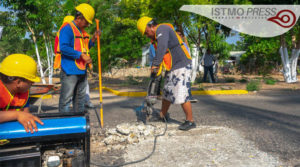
(2,9)
(233,39)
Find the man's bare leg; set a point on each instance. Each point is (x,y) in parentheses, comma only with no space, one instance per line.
(164,107)
(187,108)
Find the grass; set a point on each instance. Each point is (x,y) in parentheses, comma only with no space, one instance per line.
(201,87)
(253,85)
(270,81)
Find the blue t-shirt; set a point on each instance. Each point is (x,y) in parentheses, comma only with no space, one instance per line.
(66,45)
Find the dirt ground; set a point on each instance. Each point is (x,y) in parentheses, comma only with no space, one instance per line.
(215,153)
(136,79)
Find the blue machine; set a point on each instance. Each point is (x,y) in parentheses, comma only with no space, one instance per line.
(62,140)
(54,126)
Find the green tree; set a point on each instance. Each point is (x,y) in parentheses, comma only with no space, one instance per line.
(264,54)
(12,40)
(261,54)
(120,39)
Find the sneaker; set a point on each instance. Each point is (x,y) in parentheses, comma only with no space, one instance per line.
(193,100)
(187,125)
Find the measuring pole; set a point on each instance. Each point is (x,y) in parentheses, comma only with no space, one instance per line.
(100,74)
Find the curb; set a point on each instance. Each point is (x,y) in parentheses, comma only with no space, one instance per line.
(201,92)
(43,96)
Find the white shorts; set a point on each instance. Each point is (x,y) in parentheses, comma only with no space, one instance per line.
(177,84)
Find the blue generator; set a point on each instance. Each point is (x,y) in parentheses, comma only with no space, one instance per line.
(63,141)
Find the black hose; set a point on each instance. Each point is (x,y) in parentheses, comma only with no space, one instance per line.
(140,160)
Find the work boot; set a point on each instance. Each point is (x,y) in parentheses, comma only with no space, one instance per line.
(187,125)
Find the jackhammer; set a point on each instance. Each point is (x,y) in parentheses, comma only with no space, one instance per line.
(153,92)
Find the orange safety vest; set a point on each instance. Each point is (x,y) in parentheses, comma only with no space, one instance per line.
(10,102)
(57,59)
(167,60)
(81,44)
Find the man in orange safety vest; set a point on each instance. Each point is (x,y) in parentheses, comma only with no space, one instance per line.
(74,45)
(17,73)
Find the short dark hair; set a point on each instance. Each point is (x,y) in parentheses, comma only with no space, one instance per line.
(208,50)
(152,23)
(7,79)
(178,31)
(78,14)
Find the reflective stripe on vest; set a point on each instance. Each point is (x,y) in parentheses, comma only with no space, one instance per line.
(57,59)
(81,44)
(10,102)
(167,60)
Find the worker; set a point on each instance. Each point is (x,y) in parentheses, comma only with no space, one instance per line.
(17,73)
(57,60)
(209,62)
(74,44)
(57,52)
(177,64)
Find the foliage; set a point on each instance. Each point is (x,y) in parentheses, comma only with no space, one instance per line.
(270,81)
(253,85)
(243,80)
(262,54)
(120,38)
(12,40)
(36,18)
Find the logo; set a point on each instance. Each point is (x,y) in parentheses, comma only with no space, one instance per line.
(159,35)
(255,20)
(284,18)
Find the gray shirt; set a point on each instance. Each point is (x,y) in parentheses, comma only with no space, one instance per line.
(167,39)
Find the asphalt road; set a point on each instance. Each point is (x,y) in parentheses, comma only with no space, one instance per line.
(270,119)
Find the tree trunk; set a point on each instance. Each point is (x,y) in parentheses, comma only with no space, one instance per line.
(195,62)
(37,52)
(51,60)
(48,59)
(289,64)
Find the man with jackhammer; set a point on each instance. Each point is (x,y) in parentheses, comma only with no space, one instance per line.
(173,55)
(74,44)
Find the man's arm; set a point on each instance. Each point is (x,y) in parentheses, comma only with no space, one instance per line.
(97,33)
(162,37)
(26,119)
(66,43)
(92,41)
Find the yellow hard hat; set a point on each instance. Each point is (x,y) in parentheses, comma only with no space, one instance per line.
(68,19)
(87,11)
(142,23)
(20,65)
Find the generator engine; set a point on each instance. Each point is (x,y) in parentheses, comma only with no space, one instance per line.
(63,141)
